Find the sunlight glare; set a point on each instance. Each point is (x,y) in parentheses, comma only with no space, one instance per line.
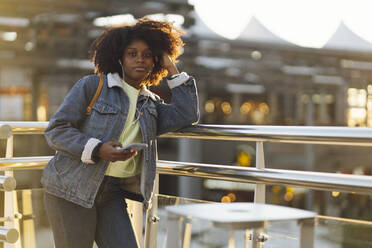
(302,22)
(226,18)
(357,16)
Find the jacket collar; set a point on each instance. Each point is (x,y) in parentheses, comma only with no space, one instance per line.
(113,79)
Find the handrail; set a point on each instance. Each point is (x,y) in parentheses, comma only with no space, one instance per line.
(355,136)
(307,179)
(26,127)
(260,176)
(24,163)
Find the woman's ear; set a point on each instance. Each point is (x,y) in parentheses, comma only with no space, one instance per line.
(156,59)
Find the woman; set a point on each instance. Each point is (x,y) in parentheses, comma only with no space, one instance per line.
(88,179)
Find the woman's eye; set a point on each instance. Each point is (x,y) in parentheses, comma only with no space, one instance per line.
(132,54)
(148,55)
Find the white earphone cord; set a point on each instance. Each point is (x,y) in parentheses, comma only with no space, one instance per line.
(133,122)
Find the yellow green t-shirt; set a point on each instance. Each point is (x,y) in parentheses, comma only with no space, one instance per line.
(131,133)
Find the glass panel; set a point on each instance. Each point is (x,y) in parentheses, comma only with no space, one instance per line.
(33,226)
(330,232)
(344,233)
(166,200)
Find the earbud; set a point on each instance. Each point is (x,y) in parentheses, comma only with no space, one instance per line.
(122,69)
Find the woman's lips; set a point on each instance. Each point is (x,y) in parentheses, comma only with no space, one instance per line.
(140,69)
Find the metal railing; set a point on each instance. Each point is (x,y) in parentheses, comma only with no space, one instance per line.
(305,179)
(260,175)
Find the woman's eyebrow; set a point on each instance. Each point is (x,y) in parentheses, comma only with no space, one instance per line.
(133,48)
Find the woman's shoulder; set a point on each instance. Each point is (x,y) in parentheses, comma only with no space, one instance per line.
(89,82)
(89,79)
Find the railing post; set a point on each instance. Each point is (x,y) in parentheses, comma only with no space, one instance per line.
(9,147)
(136,215)
(260,189)
(259,192)
(10,200)
(307,233)
(151,226)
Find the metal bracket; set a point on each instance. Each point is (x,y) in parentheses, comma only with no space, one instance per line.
(154,219)
(16,216)
(259,238)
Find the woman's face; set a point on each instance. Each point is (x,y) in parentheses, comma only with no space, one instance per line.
(138,62)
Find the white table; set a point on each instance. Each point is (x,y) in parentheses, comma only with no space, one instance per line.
(236,216)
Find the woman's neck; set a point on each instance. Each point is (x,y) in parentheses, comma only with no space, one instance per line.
(133,83)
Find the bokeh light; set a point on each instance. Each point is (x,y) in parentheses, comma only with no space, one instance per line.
(226,108)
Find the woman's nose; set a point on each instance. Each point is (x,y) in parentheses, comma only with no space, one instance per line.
(140,58)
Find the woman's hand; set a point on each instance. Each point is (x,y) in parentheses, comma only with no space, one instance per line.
(109,152)
(169,65)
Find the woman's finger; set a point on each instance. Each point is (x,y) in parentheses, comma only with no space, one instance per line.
(128,155)
(115,144)
(121,155)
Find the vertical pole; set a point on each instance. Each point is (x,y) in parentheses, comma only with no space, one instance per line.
(189,150)
(231,238)
(307,233)
(309,153)
(151,226)
(10,200)
(173,231)
(9,147)
(28,227)
(259,192)
(136,215)
(309,163)
(187,234)
(260,188)
(247,238)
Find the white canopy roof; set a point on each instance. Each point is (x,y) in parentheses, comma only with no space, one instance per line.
(340,37)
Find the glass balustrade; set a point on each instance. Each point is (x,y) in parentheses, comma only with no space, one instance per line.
(330,232)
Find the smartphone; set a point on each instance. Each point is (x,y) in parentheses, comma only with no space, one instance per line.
(134,146)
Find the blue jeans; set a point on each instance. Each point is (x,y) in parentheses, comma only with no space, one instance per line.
(107,222)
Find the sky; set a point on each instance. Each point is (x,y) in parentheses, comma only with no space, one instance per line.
(302,22)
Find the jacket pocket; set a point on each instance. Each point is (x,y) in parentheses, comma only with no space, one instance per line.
(104,108)
(101,119)
(63,164)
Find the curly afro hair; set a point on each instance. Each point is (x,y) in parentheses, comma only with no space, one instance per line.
(160,36)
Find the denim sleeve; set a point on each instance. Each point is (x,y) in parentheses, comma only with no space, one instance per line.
(62,133)
(183,110)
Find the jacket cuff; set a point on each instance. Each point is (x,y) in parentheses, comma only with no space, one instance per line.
(178,80)
(86,156)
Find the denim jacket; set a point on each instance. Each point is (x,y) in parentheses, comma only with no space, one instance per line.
(72,173)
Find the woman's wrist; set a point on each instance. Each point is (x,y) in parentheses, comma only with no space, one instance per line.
(172,70)
(95,151)
(177,79)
